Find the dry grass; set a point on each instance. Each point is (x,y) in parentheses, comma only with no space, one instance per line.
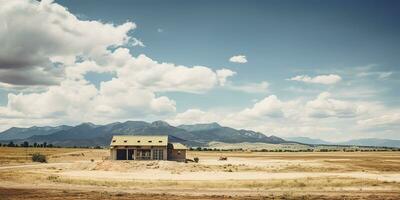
(19,155)
(331,183)
(52,194)
(53,174)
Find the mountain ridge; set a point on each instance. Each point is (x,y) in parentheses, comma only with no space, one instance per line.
(89,134)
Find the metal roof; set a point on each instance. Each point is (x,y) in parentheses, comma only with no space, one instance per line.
(139,140)
(176,145)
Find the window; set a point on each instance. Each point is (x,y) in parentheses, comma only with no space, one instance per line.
(158,154)
(114,140)
(150,141)
(138,141)
(179,153)
(125,141)
(160,141)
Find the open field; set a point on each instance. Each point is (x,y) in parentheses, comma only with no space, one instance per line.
(85,173)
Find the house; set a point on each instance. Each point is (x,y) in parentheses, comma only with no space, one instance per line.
(140,147)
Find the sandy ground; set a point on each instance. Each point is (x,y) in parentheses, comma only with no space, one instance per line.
(245,175)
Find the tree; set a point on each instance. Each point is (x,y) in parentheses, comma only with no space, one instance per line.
(44,144)
(11,144)
(35,144)
(25,144)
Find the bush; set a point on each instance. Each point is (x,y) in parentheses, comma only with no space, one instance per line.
(196,159)
(37,157)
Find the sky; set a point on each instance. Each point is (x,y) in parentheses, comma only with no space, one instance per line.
(320,69)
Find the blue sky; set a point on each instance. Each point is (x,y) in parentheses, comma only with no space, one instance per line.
(328,69)
(280,38)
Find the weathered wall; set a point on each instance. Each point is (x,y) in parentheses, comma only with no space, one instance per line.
(113,152)
(178,155)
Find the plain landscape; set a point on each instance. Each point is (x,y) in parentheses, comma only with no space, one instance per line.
(88,174)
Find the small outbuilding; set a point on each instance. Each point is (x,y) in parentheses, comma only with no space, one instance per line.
(144,147)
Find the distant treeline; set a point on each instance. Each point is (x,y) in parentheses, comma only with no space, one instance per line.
(43,145)
(301,150)
(352,149)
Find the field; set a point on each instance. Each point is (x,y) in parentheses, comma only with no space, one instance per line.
(87,174)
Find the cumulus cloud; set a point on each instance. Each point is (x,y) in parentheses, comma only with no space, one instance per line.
(325,106)
(271,106)
(47,47)
(223,74)
(321,79)
(194,116)
(323,116)
(143,72)
(238,59)
(34,35)
(387,119)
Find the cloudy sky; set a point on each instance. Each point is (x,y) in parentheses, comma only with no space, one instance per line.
(322,69)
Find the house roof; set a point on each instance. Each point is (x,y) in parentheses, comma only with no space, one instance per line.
(139,140)
(176,145)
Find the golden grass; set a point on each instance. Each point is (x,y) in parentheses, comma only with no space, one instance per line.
(20,155)
(293,184)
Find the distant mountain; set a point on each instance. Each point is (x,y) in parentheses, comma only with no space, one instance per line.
(22,133)
(373,142)
(200,127)
(359,142)
(88,134)
(214,132)
(307,140)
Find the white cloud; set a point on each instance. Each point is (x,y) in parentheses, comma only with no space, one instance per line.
(143,72)
(325,106)
(238,59)
(380,75)
(271,106)
(322,117)
(36,34)
(321,79)
(261,87)
(136,42)
(194,116)
(223,74)
(387,119)
(53,39)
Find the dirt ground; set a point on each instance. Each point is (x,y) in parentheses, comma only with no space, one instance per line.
(87,174)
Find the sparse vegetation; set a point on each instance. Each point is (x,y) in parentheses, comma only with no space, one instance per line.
(37,157)
(196,159)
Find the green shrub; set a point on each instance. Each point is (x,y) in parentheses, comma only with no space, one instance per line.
(37,157)
(196,159)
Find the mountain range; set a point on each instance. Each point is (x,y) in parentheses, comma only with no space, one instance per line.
(359,142)
(88,134)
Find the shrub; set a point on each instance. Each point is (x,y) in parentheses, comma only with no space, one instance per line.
(37,157)
(196,159)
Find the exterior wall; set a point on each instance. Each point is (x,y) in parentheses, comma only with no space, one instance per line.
(177,154)
(113,152)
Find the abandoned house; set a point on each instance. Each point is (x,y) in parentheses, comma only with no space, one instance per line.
(138,147)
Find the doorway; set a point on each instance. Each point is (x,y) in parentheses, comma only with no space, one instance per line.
(121,154)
